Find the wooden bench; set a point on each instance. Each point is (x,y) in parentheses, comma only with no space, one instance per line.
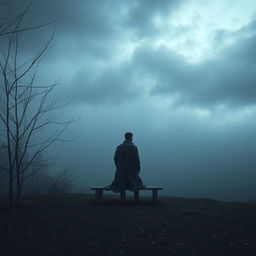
(99,192)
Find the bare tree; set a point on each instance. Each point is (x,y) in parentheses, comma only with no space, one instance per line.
(26,108)
(61,182)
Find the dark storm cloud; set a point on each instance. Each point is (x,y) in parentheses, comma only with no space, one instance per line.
(226,79)
(113,85)
(87,31)
(141,14)
(94,27)
(229,78)
(85,26)
(93,18)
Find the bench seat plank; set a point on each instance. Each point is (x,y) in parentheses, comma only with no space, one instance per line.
(146,188)
(99,192)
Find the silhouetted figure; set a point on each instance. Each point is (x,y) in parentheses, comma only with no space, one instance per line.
(127,163)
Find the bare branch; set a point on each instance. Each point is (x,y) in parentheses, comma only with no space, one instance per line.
(40,166)
(7,28)
(27,29)
(36,58)
(47,143)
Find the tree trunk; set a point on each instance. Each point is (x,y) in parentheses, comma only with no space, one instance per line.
(10,190)
(18,192)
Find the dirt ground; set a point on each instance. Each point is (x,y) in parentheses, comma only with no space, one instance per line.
(77,225)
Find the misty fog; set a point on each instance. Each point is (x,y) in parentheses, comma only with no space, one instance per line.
(182,80)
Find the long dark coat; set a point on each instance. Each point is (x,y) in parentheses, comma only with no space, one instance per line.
(127,163)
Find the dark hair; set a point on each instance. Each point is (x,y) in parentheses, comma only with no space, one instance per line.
(128,136)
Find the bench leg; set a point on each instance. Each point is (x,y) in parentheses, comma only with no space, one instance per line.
(154,195)
(98,194)
(122,195)
(136,195)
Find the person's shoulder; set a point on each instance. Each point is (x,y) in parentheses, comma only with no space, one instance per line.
(133,146)
(119,146)
(126,145)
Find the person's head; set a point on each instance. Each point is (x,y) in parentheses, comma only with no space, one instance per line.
(128,136)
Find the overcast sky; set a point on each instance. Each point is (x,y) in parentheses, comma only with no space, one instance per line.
(179,74)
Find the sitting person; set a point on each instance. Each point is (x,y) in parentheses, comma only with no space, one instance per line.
(127,164)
